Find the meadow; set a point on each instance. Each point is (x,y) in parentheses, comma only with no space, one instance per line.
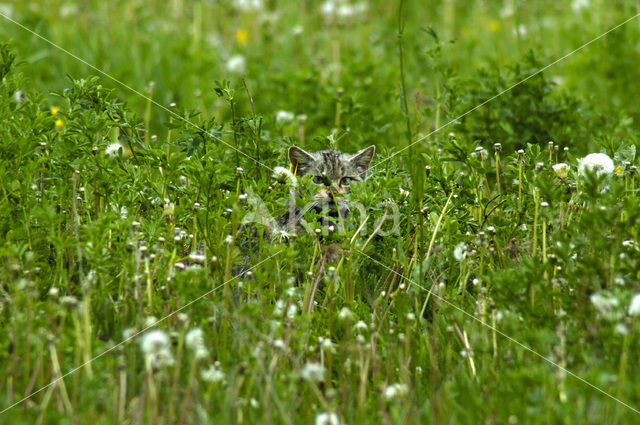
(489,274)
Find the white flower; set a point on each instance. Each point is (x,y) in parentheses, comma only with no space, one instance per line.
(156,348)
(326,345)
(634,307)
(313,372)
(153,341)
(150,321)
(621,329)
(395,390)
(506,11)
(197,257)
(360,326)
(482,153)
(281,235)
(345,314)
(283,174)
(578,5)
(561,169)
(327,418)
(328,9)
(113,149)
(521,29)
(292,311)
(237,64)
(341,10)
(603,303)
(461,251)
(598,163)
(68,301)
(346,12)
(194,340)
(248,5)
(284,117)
(212,374)
(68,9)
(278,308)
(128,333)
(279,344)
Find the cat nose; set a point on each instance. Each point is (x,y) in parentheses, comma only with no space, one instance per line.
(334,190)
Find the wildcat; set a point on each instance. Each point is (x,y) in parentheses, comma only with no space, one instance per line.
(333,173)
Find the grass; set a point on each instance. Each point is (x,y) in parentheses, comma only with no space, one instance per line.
(115,214)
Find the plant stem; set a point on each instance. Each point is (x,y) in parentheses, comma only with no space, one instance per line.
(405,107)
(235,135)
(255,129)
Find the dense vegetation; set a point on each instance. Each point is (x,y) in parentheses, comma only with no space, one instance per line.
(487,273)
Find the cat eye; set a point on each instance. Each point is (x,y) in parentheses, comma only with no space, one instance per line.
(321,180)
(346,181)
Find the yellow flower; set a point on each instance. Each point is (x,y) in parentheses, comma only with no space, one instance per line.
(618,170)
(242,36)
(494,26)
(55,110)
(59,123)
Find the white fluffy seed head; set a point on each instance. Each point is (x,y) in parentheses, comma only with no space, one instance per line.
(596,163)
(634,307)
(313,372)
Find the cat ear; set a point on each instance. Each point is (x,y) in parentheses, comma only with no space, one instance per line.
(299,158)
(362,160)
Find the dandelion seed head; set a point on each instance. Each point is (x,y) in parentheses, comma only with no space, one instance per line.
(279,344)
(213,374)
(150,321)
(68,301)
(282,175)
(394,391)
(606,305)
(596,163)
(156,347)
(360,326)
(313,372)
(461,251)
(236,64)
(621,329)
(284,117)
(345,314)
(327,418)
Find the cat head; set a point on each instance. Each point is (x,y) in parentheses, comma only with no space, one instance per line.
(333,172)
